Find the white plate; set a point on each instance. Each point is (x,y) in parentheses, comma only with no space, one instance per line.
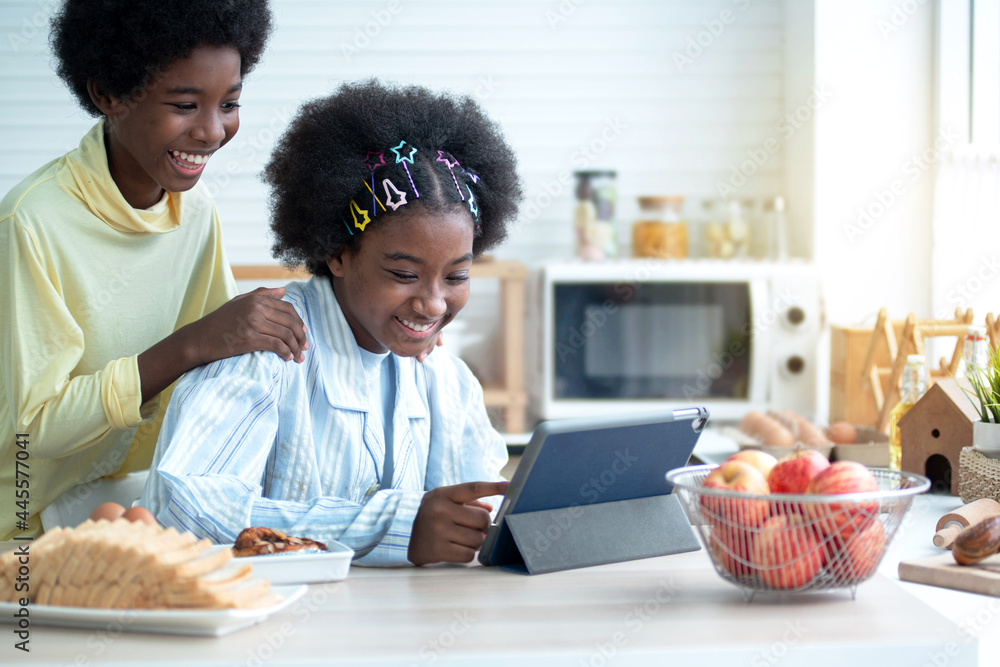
(301,568)
(204,622)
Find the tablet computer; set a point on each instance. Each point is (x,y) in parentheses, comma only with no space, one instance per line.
(572,463)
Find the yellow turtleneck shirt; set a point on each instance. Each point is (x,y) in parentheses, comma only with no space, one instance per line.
(87,283)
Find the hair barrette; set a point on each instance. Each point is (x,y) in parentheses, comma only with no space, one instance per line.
(404,160)
(372,165)
(355,210)
(450,164)
(386,185)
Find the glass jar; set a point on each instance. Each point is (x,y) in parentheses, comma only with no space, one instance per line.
(660,232)
(594,216)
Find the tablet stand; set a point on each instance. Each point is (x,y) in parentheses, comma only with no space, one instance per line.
(585,535)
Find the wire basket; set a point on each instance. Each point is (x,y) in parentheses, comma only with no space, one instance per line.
(796,543)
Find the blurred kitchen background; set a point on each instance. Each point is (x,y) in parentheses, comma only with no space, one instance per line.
(876,121)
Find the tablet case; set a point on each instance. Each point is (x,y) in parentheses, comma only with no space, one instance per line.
(585,535)
(635,516)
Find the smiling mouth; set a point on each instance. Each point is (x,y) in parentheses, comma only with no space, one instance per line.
(414,327)
(189,161)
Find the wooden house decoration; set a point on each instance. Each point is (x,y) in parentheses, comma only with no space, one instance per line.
(934,432)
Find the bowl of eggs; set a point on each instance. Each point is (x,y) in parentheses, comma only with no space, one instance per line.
(779,433)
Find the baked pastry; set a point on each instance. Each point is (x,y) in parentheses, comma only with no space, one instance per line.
(258,541)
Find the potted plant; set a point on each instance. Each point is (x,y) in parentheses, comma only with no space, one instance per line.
(985,395)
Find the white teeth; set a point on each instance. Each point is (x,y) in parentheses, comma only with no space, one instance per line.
(416,327)
(193,159)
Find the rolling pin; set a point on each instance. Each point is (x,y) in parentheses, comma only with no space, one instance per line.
(953,523)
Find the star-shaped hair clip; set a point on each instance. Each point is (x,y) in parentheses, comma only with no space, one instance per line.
(387,185)
(374,160)
(404,160)
(355,211)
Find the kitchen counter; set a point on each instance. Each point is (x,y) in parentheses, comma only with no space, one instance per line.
(645,612)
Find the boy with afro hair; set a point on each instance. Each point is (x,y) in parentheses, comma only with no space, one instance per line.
(114,281)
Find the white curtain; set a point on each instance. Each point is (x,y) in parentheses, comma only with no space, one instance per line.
(965,259)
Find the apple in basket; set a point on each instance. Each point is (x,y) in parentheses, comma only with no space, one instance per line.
(856,558)
(793,473)
(730,547)
(846,518)
(759,459)
(787,551)
(739,476)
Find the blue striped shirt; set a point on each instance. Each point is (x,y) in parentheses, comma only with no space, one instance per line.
(254,440)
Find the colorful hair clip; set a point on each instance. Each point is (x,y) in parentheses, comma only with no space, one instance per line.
(374,201)
(473,177)
(386,184)
(473,207)
(355,210)
(450,164)
(404,160)
(372,165)
(348,227)
(370,160)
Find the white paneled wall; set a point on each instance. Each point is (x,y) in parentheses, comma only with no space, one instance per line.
(575,83)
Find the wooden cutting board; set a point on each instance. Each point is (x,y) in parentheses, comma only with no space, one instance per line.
(943,571)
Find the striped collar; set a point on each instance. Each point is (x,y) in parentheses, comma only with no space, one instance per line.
(336,351)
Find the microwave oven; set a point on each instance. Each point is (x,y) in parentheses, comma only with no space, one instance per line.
(635,334)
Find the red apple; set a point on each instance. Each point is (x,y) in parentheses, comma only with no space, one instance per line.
(759,459)
(741,477)
(846,518)
(730,547)
(787,552)
(855,560)
(793,473)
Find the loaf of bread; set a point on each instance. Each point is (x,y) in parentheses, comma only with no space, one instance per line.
(124,565)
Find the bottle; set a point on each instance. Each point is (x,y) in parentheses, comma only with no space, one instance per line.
(974,352)
(660,233)
(594,217)
(913,384)
(738,230)
(777,233)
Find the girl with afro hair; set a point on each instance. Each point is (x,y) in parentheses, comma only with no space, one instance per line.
(114,282)
(386,194)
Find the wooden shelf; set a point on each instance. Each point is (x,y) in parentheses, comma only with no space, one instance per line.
(510,394)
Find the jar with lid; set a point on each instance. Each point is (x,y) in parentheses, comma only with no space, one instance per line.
(660,232)
(594,216)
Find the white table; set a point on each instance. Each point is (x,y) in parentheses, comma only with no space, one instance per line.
(647,612)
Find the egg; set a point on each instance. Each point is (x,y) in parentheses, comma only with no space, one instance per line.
(113,511)
(107,511)
(765,430)
(842,433)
